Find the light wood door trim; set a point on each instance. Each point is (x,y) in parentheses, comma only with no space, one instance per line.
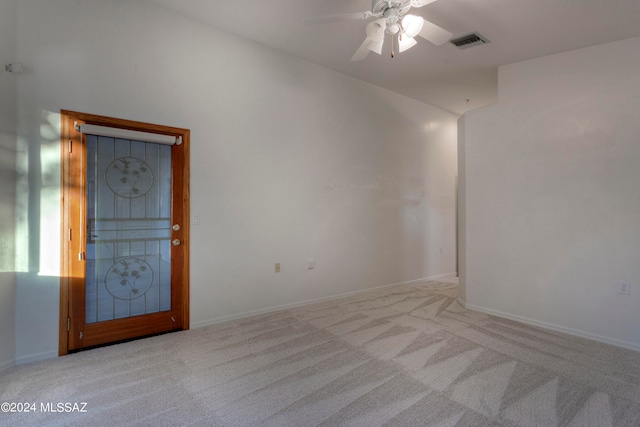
(71,204)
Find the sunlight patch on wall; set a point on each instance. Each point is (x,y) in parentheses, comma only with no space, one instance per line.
(38,199)
(7,200)
(22,205)
(50,195)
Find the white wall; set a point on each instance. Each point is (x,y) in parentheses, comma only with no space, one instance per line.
(8,85)
(553,193)
(290,161)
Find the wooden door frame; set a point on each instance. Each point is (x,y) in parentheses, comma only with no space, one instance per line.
(70,141)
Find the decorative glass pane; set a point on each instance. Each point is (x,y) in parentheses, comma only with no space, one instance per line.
(128,228)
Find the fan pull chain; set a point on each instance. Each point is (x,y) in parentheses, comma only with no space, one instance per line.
(393,54)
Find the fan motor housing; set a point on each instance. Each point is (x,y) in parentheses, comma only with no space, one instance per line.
(382,6)
(378,6)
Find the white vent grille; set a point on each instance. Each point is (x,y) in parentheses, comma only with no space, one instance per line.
(469,40)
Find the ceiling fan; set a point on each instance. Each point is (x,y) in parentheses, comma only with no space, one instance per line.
(392,19)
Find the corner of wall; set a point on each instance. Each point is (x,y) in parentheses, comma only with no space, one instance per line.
(461,213)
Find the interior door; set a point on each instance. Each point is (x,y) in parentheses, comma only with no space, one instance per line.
(126,213)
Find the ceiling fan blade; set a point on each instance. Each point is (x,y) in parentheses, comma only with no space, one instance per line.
(375,46)
(362,51)
(340,17)
(434,34)
(420,3)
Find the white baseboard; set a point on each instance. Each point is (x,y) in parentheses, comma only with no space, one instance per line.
(7,364)
(36,357)
(222,319)
(544,325)
(54,354)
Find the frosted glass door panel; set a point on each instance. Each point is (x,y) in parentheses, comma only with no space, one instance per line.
(128,258)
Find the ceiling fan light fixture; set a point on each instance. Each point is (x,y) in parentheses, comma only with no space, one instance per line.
(412,25)
(406,43)
(391,18)
(375,29)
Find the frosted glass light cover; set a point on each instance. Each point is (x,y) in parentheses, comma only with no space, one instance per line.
(412,25)
(406,43)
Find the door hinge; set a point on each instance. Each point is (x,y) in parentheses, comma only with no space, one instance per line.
(81,256)
(81,335)
(68,324)
(70,147)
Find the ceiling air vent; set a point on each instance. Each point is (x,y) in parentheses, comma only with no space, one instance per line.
(469,40)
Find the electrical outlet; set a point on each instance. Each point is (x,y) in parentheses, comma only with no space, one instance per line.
(277,267)
(625,288)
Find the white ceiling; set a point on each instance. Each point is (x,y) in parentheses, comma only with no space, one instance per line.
(442,76)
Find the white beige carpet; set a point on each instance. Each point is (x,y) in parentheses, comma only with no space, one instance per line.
(402,356)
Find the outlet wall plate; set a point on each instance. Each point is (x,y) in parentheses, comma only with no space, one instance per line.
(625,288)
